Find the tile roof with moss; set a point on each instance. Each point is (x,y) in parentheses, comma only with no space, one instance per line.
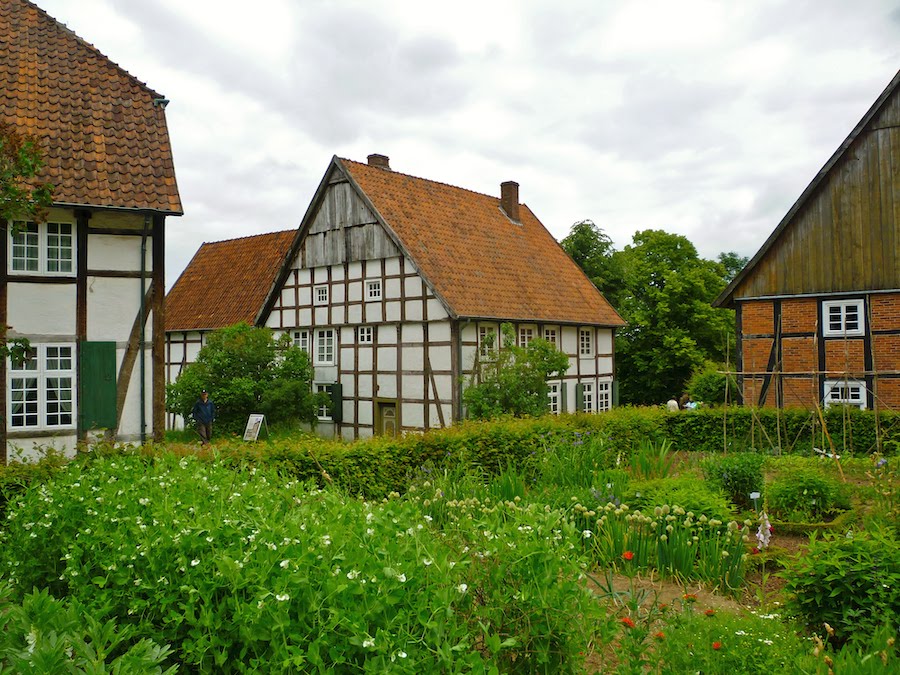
(102,132)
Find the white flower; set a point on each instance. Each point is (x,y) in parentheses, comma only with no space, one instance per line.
(401,578)
(282,597)
(462,588)
(368,642)
(143,501)
(402,655)
(194,562)
(352,574)
(426,562)
(284,564)
(586,534)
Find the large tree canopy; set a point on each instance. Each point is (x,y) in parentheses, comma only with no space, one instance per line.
(663,289)
(672,327)
(247,371)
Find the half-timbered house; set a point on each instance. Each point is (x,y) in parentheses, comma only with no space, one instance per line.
(226,282)
(818,306)
(396,285)
(86,288)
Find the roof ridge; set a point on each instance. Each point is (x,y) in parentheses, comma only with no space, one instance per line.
(427,180)
(91,47)
(248,236)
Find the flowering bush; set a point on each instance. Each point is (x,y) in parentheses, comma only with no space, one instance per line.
(246,571)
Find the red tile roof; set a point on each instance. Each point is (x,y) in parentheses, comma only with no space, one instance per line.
(227,282)
(479,261)
(105,141)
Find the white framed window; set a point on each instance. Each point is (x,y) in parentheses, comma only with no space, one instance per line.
(526,335)
(45,248)
(301,339)
(604,395)
(41,390)
(320,295)
(554,398)
(587,397)
(845,392)
(550,336)
(365,335)
(322,412)
(585,342)
(373,290)
(324,347)
(843,317)
(487,341)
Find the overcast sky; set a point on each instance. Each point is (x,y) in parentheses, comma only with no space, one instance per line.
(703,118)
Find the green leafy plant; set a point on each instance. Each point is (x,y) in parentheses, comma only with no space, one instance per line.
(247,371)
(851,582)
(512,380)
(737,474)
(710,385)
(652,460)
(685,491)
(806,495)
(46,635)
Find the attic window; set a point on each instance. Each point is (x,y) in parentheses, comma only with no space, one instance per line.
(320,295)
(373,290)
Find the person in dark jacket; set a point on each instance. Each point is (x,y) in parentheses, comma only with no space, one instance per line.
(204,412)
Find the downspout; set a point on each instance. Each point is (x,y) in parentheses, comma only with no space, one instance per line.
(141,351)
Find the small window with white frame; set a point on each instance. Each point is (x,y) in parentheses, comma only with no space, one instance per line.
(324,347)
(554,398)
(604,395)
(550,336)
(526,335)
(585,342)
(365,335)
(45,248)
(320,295)
(487,341)
(587,397)
(41,389)
(323,412)
(845,392)
(373,290)
(843,318)
(301,339)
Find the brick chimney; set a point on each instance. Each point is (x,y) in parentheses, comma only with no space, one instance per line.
(509,199)
(380,161)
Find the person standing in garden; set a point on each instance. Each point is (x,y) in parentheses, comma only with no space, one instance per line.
(204,412)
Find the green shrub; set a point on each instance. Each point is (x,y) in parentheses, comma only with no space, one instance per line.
(850,582)
(708,384)
(737,475)
(652,460)
(806,496)
(685,491)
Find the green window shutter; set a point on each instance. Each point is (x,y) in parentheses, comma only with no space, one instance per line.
(97,370)
(337,402)
(563,391)
(579,397)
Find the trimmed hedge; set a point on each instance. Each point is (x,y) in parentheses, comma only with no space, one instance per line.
(374,467)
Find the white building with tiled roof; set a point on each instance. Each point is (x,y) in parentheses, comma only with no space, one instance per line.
(394,284)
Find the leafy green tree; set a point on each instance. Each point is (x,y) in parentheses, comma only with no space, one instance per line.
(672,327)
(513,379)
(247,371)
(592,250)
(22,198)
(733,263)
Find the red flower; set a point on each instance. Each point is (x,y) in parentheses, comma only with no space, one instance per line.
(663,607)
(690,597)
(755,550)
(710,612)
(771,529)
(660,636)
(717,646)
(627,622)
(628,555)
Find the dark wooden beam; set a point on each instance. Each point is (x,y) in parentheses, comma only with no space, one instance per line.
(158,305)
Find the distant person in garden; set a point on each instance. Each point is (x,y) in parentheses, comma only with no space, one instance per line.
(691,404)
(204,412)
(672,405)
